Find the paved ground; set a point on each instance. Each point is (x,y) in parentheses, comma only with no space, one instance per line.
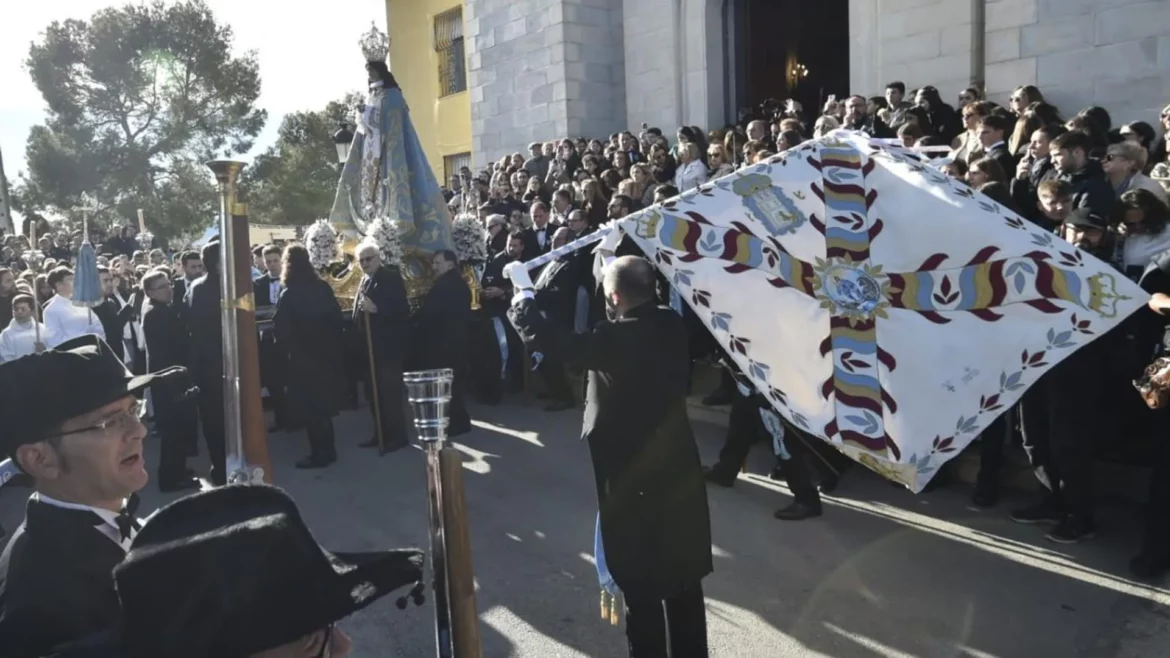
(883,574)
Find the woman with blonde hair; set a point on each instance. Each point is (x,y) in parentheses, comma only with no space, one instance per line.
(825,125)
(718,161)
(691,171)
(641,175)
(1023,97)
(1123,165)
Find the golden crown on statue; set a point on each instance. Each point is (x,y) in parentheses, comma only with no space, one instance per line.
(375,44)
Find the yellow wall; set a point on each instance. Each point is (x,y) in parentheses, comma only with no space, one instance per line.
(443,124)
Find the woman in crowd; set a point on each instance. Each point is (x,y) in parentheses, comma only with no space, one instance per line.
(641,175)
(825,125)
(1142,134)
(1035,116)
(1088,125)
(942,120)
(983,171)
(967,146)
(1022,97)
(718,162)
(691,171)
(594,203)
(789,139)
(307,325)
(590,165)
(497,234)
(610,179)
(621,163)
(1123,165)
(733,144)
(1141,219)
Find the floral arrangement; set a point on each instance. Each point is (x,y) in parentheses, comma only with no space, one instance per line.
(469,239)
(321,243)
(385,234)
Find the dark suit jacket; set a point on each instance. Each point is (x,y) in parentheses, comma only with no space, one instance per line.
(56,584)
(440,326)
(655,523)
(273,358)
(203,321)
(493,277)
(1005,159)
(114,317)
(1024,191)
(390,326)
(556,289)
(307,328)
(532,247)
(168,343)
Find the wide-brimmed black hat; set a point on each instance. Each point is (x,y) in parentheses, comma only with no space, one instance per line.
(38,392)
(234,571)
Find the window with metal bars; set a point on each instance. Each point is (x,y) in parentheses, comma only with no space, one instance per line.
(449,46)
(453,163)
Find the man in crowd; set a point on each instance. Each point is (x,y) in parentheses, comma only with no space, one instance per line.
(441,333)
(504,360)
(191,268)
(71,419)
(20,337)
(562,205)
(113,314)
(168,344)
(234,571)
(537,163)
(1090,188)
(857,118)
(538,239)
(896,98)
(203,317)
(1075,392)
(382,304)
(273,359)
(556,295)
(7,293)
(64,320)
(993,133)
(655,529)
(1035,168)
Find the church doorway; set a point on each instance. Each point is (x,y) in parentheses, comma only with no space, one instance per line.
(780,49)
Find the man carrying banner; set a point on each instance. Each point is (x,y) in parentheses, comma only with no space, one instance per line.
(655,529)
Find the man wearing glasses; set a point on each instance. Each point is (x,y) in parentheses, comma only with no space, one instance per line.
(72,422)
(382,300)
(168,344)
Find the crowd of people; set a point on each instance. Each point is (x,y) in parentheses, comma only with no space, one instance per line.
(1097,186)
(1100,186)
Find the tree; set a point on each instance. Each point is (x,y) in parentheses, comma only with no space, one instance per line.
(138,98)
(294,181)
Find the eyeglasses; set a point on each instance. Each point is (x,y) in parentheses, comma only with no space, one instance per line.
(115,425)
(366,259)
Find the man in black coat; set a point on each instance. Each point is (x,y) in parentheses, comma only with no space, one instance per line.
(441,333)
(654,521)
(1035,168)
(1090,187)
(503,359)
(383,305)
(203,321)
(993,134)
(112,314)
(192,268)
(176,415)
(273,358)
(556,294)
(71,419)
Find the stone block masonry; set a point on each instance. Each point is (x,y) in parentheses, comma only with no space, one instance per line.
(543,69)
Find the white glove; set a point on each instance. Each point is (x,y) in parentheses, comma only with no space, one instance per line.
(519,276)
(611,241)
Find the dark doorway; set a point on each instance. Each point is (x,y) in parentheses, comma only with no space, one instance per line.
(769,39)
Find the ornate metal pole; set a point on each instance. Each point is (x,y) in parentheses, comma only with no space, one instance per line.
(456,619)
(245,431)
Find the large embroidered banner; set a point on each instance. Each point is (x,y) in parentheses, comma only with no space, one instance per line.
(877,303)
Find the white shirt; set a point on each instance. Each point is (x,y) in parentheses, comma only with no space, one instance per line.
(1140,249)
(20,339)
(274,291)
(690,175)
(109,520)
(66,321)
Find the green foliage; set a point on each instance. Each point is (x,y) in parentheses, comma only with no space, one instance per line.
(294,181)
(138,98)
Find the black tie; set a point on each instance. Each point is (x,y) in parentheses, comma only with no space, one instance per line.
(126,520)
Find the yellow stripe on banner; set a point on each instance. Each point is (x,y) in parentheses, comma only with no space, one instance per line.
(910,291)
(1060,284)
(743,250)
(983,291)
(856,391)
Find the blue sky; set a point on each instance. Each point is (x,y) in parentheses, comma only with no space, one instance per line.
(308,56)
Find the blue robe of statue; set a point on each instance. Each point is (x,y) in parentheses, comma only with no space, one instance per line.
(386,176)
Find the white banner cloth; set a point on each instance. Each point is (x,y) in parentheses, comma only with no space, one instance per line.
(877,303)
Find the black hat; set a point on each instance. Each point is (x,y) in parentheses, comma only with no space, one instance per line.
(38,392)
(1086,218)
(233,571)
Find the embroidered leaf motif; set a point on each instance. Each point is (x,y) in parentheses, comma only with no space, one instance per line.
(701,298)
(758,370)
(721,321)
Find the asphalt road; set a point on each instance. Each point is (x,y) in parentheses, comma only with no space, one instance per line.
(882,574)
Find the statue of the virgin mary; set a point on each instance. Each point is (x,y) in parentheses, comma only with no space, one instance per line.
(387,177)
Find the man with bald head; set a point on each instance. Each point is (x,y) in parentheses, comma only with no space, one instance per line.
(382,302)
(654,525)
